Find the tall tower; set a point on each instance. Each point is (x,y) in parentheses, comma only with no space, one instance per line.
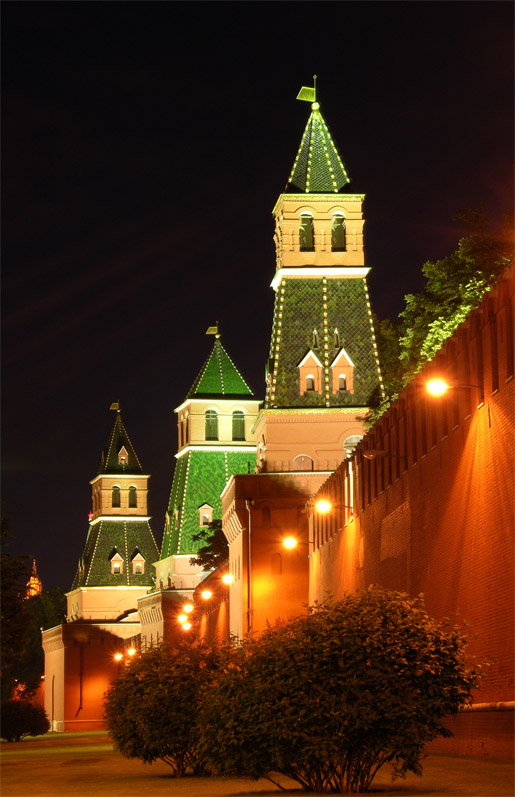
(216,440)
(116,565)
(323,372)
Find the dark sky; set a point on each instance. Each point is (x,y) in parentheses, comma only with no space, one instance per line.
(144,147)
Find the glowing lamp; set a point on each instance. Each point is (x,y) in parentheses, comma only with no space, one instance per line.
(118,656)
(186,626)
(227,578)
(188,607)
(323,507)
(290,542)
(206,594)
(437,387)
(182,618)
(131,652)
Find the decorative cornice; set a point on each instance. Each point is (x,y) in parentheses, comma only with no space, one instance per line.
(329,272)
(122,518)
(118,476)
(215,449)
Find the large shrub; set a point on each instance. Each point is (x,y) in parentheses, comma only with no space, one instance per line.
(151,709)
(20,718)
(331,697)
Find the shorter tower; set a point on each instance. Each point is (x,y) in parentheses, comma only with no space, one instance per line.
(115,568)
(216,440)
(34,585)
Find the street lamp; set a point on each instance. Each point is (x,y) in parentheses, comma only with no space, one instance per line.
(206,594)
(438,387)
(227,578)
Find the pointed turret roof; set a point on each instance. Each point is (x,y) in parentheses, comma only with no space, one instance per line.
(318,168)
(114,460)
(219,377)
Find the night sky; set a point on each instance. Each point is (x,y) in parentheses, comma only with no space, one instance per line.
(144,147)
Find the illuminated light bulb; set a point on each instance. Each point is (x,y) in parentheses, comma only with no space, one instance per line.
(323,506)
(437,387)
(290,542)
(131,652)
(186,626)
(182,618)
(188,607)
(227,578)
(206,594)
(118,656)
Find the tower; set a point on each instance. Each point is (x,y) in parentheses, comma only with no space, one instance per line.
(323,372)
(322,378)
(34,585)
(116,565)
(215,440)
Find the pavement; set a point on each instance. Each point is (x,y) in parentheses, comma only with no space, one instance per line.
(79,764)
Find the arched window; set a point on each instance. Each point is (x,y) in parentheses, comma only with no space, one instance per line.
(211,425)
(310,382)
(342,382)
(351,443)
(306,233)
(115,500)
(338,234)
(133,497)
(238,425)
(302,462)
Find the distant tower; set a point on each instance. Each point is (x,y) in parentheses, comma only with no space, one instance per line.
(323,360)
(34,585)
(216,440)
(116,565)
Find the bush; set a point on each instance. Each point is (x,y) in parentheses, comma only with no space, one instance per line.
(331,697)
(20,718)
(152,708)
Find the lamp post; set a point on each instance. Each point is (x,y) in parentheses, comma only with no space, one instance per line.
(437,387)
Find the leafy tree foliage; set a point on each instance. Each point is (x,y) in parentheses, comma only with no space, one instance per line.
(216,548)
(14,574)
(39,613)
(20,718)
(329,698)
(152,708)
(453,286)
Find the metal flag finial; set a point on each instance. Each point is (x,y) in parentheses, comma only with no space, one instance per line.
(213,331)
(308,93)
(115,406)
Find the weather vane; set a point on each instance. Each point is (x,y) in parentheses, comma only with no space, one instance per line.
(307,93)
(213,331)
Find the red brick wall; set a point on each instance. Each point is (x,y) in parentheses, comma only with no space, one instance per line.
(436,514)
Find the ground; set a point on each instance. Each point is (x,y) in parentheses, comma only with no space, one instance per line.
(77,764)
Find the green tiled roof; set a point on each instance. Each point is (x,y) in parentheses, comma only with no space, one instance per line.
(126,537)
(299,310)
(219,377)
(199,478)
(118,439)
(318,168)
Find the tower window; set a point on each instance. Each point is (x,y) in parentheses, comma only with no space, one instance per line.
(310,382)
(211,425)
(238,425)
(342,382)
(115,499)
(205,514)
(116,564)
(133,497)
(338,234)
(306,233)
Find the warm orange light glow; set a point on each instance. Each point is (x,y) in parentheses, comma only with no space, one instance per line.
(118,656)
(323,506)
(290,542)
(206,594)
(131,652)
(182,618)
(437,387)
(186,626)
(188,607)
(227,578)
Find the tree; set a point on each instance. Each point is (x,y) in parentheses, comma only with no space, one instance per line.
(20,718)
(329,698)
(216,548)
(14,574)
(151,709)
(39,613)
(453,286)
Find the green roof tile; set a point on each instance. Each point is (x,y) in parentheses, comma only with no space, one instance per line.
(318,168)
(126,537)
(219,377)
